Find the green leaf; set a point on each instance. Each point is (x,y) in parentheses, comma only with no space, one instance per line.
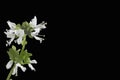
(30,36)
(13,47)
(31,29)
(18,26)
(25,57)
(25,24)
(26,60)
(22,58)
(13,53)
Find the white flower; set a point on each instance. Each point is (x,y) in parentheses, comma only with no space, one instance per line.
(15,70)
(36,37)
(37,28)
(9,64)
(12,32)
(33,23)
(20,34)
(30,64)
(11,25)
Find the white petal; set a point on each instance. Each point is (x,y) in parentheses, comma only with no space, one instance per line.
(33,61)
(19,40)
(36,32)
(20,34)
(22,67)
(33,34)
(14,70)
(10,34)
(41,25)
(38,38)
(11,25)
(10,41)
(31,67)
(6,44)
(33,22)
(9,64)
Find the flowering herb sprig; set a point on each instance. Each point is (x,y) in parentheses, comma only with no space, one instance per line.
(18,33)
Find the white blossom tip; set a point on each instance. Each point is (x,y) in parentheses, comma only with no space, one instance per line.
(9,64)
(11,24)
(33,61)
(31,67)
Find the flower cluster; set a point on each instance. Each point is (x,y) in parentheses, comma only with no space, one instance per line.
(18,33)
(10,63)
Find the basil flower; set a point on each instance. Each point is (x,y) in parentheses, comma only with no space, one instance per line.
(15,70)
(13,32)
(30,64)
(37,28)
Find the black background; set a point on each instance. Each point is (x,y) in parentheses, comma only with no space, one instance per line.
(71,31)
(19,12)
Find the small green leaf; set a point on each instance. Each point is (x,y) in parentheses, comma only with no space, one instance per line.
(25,24)
(13,47)
(30,29)
(26,60)
(18,26)
(25,57)
(13,53)
(30,36)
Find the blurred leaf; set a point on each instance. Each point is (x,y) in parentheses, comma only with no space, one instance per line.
(25,56)
(13,47)
(22,58)
(25,24)
(13,53)
(18,26)
(30,36)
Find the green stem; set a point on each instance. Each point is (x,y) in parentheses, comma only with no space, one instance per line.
(10,73)
(23,47)
(23,44)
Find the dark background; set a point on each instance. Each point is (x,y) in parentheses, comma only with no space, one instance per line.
(19,12)
(75,35)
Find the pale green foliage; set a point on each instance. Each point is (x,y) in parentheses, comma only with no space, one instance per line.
(13,53)
(19,57)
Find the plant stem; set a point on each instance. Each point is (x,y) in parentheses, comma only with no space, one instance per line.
(24,43)
(10,73)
